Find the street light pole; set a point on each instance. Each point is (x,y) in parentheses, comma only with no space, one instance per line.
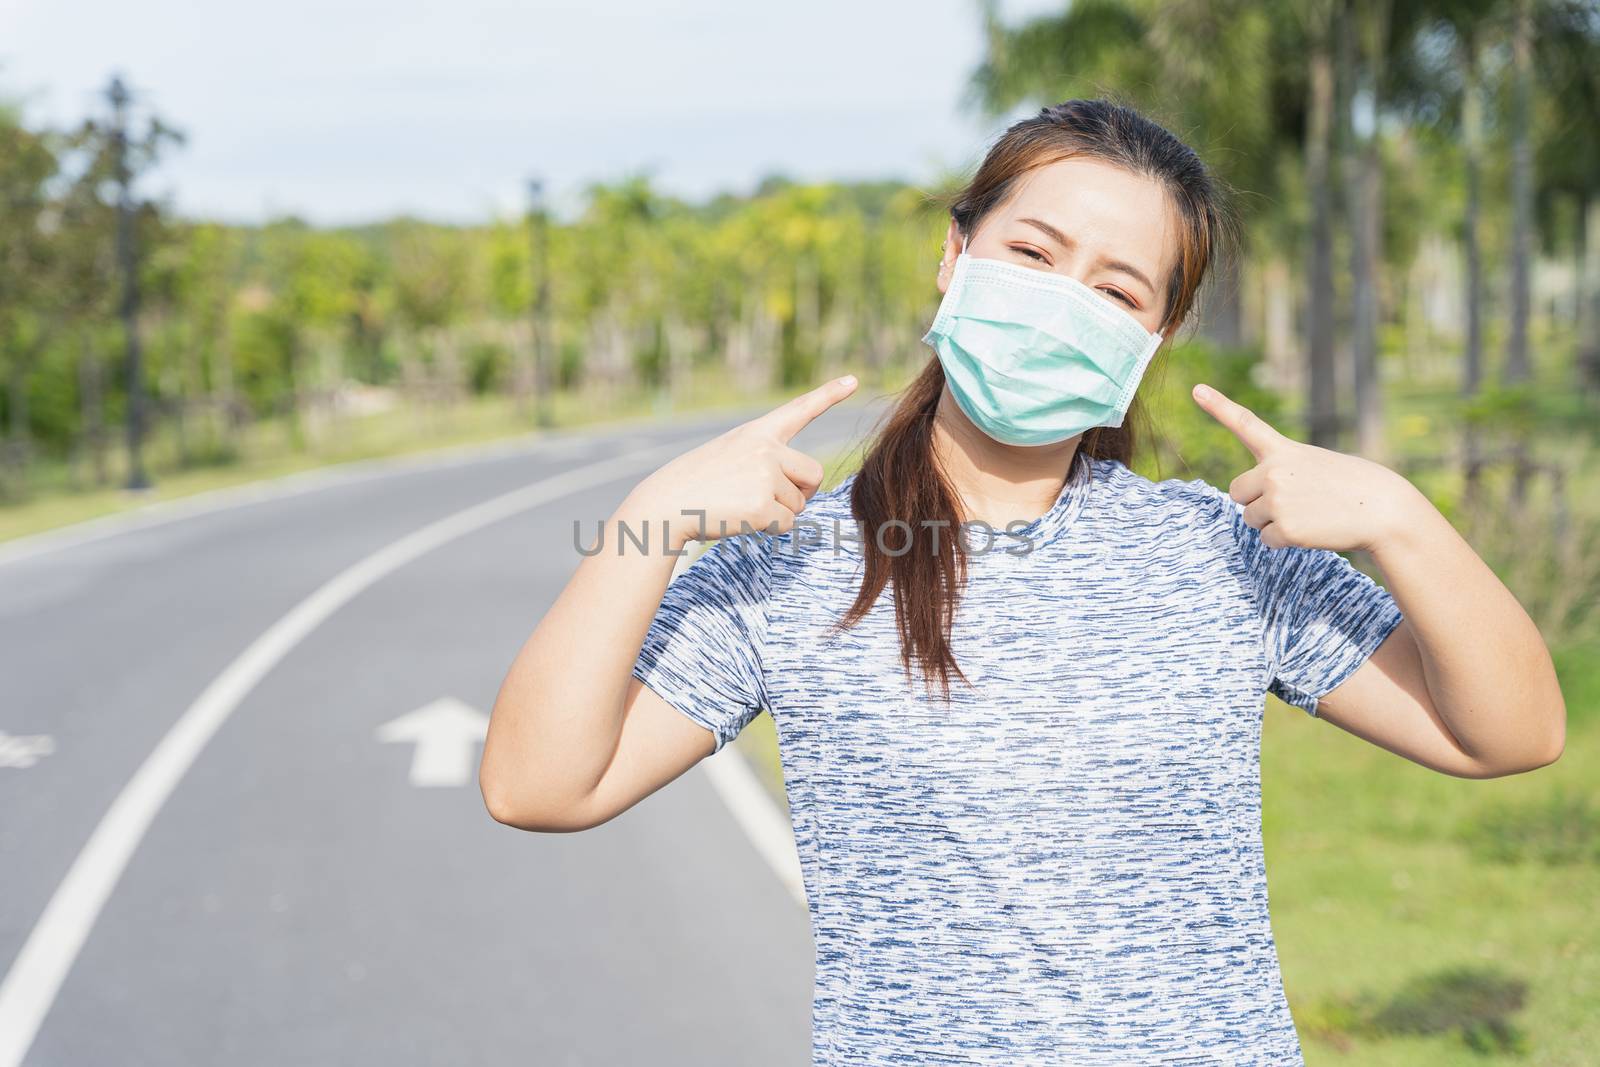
(540,265)
(118,94)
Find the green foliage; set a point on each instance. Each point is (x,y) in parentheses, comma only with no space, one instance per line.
(1505,408)
(1187,442)
(488,367)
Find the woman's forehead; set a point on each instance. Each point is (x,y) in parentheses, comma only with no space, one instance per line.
(1108,208)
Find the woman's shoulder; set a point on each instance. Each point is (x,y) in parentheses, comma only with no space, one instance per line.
(1170,497)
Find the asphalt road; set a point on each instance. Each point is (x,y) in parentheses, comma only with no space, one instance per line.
(219,845)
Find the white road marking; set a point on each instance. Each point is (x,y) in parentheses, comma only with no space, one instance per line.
(24,750)
(446,734)
(35,977)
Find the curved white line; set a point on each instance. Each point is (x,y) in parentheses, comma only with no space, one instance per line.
(30,987)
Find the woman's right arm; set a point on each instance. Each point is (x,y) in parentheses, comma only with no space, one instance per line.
(574,739)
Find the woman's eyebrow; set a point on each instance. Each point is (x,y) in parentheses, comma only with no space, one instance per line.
(1110,264)
(1050,231)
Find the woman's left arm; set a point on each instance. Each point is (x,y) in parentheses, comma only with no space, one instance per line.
(1464,684)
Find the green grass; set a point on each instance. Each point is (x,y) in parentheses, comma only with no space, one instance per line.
(1424,919)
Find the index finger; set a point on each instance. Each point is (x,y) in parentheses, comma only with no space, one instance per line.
(788,419)
(1254,431)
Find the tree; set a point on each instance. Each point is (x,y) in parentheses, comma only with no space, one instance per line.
(28,163)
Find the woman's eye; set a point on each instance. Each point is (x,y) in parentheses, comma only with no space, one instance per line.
(1113,292)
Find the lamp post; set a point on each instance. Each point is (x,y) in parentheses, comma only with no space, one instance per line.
(540,264)
(119,96)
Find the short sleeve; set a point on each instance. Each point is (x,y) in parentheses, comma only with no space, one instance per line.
(1321,617)
(702,652)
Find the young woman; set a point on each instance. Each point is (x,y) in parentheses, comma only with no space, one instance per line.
(1019,688)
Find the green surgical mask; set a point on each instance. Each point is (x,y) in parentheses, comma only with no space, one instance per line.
(1034,357)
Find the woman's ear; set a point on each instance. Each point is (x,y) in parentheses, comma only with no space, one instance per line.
(947,255)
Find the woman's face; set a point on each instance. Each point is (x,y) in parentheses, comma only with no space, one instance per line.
(1109,228)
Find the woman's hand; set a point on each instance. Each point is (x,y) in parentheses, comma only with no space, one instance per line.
(1302,495)
(748,475)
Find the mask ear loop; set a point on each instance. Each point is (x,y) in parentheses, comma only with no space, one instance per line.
(963,244)
(1132,387)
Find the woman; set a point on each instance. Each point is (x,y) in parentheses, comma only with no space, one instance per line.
(1022,763)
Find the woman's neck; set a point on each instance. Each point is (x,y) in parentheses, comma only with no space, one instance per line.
(997,483)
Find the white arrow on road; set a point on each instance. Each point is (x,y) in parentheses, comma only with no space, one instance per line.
(24,750)
(446,733)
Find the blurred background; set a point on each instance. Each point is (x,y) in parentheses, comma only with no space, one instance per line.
(538,249)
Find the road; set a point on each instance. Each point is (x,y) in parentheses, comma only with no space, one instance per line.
(235,826)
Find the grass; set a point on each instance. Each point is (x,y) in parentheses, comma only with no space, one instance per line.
(1423,919)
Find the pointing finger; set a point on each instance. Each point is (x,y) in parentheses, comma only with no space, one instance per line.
(790,418)
(1252,430)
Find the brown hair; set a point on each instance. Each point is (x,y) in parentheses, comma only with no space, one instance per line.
(899,481)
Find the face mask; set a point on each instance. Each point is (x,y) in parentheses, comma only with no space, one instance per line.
(1033,357)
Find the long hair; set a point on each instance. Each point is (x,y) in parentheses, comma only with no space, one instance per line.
(900,478)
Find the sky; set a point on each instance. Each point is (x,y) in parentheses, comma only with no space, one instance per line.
(346,111)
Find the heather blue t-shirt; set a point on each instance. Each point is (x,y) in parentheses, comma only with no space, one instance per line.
(1064,865)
